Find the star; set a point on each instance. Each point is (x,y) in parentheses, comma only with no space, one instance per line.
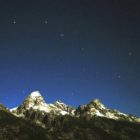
(119,76)
(83,69)
(62,34)
(14,22)
(46,22)
(130,53)
(82,49)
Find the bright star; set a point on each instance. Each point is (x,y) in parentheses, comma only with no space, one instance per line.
(62,35)
(14,22)
(130,53)
(46,21)
(82,49)
(72,93)
(84,69)
(119,76)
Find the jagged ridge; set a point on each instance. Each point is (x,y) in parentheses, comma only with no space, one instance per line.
(36,103)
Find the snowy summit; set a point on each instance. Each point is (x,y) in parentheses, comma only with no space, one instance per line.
(35,94)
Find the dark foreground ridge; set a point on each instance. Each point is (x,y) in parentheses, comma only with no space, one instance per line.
(34,119)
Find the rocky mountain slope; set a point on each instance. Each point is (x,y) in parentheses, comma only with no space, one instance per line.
(15,128)
(34,119)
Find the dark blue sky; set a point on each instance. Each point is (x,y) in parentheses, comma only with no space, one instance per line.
(74,51)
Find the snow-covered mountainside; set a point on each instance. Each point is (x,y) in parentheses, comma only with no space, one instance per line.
(35,108)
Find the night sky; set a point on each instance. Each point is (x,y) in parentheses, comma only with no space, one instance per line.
(72,50)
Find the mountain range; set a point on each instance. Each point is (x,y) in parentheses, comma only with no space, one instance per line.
(34,119)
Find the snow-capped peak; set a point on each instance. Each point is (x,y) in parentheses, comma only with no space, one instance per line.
(35,94)
(36,102)
(35,97)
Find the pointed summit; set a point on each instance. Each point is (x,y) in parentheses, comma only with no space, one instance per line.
(35,94)
(97,104)
(34,99)
(95,101)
